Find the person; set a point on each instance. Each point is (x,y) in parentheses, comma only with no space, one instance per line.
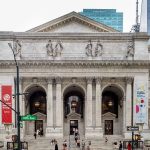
(106,140)
(83,145)
(65,143)
(115,145)
(35,135)
(120,146)
(88,148)
(37,132)
(78,142)
(129,146)
(56,146)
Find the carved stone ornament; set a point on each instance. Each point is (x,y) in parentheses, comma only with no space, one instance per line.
(54,50)
(94,51)
(130,48)
(17,48)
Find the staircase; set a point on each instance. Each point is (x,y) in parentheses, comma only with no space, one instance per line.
(43,143)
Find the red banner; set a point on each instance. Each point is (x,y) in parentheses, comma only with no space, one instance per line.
(6,98)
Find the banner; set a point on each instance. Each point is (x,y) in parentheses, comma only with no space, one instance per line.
(6,98)
(140,103)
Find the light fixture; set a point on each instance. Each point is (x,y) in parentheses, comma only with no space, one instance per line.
(110,103)
(37,104)
(73,104)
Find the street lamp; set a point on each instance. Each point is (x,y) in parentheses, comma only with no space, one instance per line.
(17,94)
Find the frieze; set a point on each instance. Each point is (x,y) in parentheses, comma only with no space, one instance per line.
(74,64)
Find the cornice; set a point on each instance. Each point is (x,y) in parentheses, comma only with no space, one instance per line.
(76,63)
(72,36)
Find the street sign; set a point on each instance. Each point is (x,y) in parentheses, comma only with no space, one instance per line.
(132,128)
(28,118)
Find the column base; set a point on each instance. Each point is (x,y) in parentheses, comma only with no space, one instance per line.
(93,133)
(56,132)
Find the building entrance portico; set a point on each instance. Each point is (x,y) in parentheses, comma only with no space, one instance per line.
(112,110)
(35,104)
(74,110)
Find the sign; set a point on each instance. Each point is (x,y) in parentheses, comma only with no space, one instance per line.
(28,118)
(132,128)
(141,99)
(6,98)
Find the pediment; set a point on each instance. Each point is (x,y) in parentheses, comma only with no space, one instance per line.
(73,115)
(72,22)
(109,115)
(40,116)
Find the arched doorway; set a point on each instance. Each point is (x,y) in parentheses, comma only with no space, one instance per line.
(74,110)
(112,110)
(35,104)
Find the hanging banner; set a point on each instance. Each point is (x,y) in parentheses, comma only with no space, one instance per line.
(6,98)
(140,103)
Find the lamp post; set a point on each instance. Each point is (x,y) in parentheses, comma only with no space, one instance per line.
(17,95)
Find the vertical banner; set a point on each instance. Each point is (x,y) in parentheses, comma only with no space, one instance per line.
(6,98)
(141,102)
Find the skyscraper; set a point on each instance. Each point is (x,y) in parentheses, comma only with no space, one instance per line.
(108,17)
(145,17)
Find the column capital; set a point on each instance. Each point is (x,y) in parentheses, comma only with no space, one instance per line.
(49,80)
(129,80)
(58,80)
(89,80)
(98,80)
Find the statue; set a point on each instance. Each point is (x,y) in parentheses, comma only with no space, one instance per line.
(54,51)
(98,49)
(49,48)
(130,49)
(58,48)
(17,48)
(89,48)
(94,51)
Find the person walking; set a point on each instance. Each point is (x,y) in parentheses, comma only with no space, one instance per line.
(129,146)
(56,145)
(35,135)
(120,146)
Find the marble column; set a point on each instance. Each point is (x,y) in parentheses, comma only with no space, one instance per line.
(98,103)
(59,104)
(50,103)
(128,101)
(89,103)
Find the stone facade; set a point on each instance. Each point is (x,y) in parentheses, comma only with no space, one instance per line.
(75,56)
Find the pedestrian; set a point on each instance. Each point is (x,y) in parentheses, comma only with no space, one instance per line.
(83,145)
(120,146)
(129,146)
(35,135)
(106,140)
(56,146)
(37,132)
(88,147)
(65,143)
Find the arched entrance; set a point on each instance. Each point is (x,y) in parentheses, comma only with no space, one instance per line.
(112,110)
(74,110)
(35,104)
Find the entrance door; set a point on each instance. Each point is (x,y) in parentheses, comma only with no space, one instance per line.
(73,126)
(39,125)
(108,127)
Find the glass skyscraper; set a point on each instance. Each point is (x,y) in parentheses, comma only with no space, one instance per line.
(108,17)
(145,17)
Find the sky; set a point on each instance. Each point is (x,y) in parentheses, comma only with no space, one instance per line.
(22,15)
